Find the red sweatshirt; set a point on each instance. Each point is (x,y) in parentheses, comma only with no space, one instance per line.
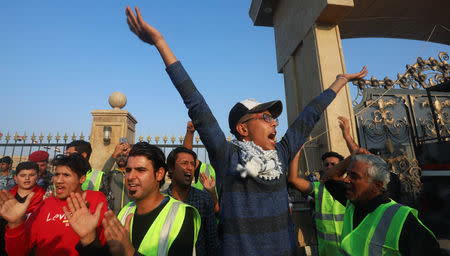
(48,229)
(35,201)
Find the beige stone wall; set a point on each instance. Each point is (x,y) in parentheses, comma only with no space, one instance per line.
(123,126)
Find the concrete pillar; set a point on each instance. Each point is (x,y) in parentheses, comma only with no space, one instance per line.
(120,124)
(310,70)
(309,54)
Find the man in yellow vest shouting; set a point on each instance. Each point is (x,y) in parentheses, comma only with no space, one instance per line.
(374,224)
(180,165)
(153,224)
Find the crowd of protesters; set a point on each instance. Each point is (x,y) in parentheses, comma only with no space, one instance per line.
(237,205)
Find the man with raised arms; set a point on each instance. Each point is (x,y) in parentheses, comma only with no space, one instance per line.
(254,211)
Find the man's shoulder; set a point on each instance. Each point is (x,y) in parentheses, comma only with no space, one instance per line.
(95,195)
(92,170)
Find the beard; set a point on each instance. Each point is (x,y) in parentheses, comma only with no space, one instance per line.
(121,162)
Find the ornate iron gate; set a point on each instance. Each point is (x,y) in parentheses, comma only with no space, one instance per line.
(394,118)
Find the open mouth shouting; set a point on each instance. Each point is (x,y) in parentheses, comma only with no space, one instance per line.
(272,138)
(188,177)
(59,189)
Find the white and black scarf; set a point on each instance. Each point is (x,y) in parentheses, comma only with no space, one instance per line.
(257,162)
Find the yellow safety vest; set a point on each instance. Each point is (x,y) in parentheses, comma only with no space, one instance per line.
(329,217)
(93,180)
(164,230)
(378,233)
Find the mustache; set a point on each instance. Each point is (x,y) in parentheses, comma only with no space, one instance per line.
(121,159)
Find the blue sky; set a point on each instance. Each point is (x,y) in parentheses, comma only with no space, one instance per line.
(62,59)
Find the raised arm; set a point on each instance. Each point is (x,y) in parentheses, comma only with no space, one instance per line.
(300,183)
(150,35)
(109,164)
(205,123)
(188,141)
(301,128)
(343,79)
(344,124)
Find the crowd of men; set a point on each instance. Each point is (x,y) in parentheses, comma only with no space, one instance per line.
(239,207)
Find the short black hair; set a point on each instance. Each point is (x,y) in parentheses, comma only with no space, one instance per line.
(6,159)
(76,162)
(152,153)
(81,146)
(332,154)
(174,153)
(27,166)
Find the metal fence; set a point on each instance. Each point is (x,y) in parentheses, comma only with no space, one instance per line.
(19,147)
(167,144)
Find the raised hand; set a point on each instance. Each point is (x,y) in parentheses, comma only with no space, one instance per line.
(344,124)
(82,221)
(11,210)
(118,236)
(342,79)
(208,183)
(141,28)
(355,76)
(149,35)
(189,137)
(121,148)
(190,127)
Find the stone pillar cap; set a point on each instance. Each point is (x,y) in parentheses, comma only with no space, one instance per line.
(117,100)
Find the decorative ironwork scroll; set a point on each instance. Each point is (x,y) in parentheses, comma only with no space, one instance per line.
(394,116)
(421,75)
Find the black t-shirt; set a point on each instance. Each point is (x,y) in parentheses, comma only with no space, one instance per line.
(414,238)
(20,199)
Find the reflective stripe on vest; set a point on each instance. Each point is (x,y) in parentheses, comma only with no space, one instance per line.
(329,237)
(130,208)
(378,233)
(207,170)
(379,236)
(324,216)
(165,227)
(93,180)
(329,217)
